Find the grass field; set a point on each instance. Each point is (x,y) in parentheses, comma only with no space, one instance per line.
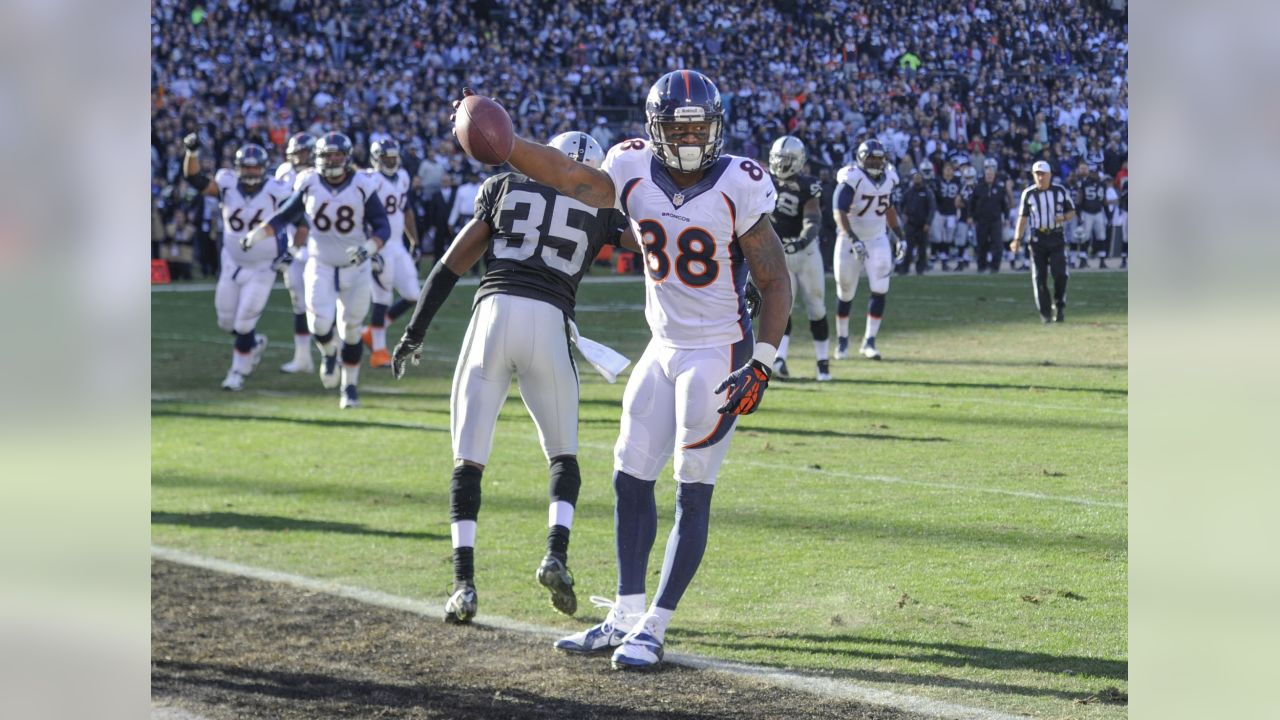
(950,522)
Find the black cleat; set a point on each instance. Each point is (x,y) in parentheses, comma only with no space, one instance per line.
(780,369)
(1061,315)
(554,576)
(461,606)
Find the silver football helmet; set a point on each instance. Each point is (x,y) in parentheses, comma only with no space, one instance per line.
(580,147)
(787,156)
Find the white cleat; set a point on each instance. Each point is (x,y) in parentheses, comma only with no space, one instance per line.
(349,398)
(255,355)
(329,377)
(298,365)
(234,381)
(842,348)
(824,371)
(605,636)
(869,350)
(641,649)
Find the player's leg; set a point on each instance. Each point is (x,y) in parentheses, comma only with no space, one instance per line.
(701,442)
(226,298)
(810,284)
(354,296)
(375,336)
(1057,261)
(1040,282)
(405,282)
(918,243)
(255,289)
(480,385)
(296,284)
(879,270)
(645,441)
(549,387)
(1123,229)
(1100,237)
(950,240)
(320,281)
(937,232)
(847,269)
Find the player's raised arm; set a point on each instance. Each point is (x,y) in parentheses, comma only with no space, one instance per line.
(191,167)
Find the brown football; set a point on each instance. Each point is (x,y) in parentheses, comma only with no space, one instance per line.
(484,130)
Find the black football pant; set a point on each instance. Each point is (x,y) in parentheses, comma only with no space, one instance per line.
(990,244)
(1049,260)
(917,247)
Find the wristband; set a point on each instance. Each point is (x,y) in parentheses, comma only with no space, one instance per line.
(765,353)
(371,246)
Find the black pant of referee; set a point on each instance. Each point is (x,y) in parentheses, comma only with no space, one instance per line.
(1049,257)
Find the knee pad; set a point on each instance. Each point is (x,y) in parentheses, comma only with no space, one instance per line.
(464,493)
(352,352)
(566,479)
(244,342)
(843,307)
(875,306)
(821,329)
(324,337)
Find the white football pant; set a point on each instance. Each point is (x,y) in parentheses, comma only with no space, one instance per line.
(338,294)
(241,295)
(879,266)
(295,283)
(807,280)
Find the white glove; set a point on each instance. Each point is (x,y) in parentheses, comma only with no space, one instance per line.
(256,236)
(361,252)
(860,250)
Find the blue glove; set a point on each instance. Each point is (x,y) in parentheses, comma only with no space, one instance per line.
(746,387)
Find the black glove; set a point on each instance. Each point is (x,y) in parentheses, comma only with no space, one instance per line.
(754,300)
(746,388)
(192,142)
(408,349)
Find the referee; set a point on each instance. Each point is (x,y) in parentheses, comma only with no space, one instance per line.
(1045,207)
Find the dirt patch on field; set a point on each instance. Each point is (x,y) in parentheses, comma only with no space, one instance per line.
(224,646)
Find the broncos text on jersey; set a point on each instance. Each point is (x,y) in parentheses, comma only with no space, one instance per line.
(695,273)
(242,213)
(793,193)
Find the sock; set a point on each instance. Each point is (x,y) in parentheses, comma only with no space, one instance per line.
(566,479)
(875,310)
(635,521)
(687,542)
(464,501)
(351,354)
(821,333)
(241,360)
(657,619)
(843,307)
(378,327)
(398,309)
(784,343)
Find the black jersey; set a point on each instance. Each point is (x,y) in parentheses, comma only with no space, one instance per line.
(793,193)
(542,241)
(947,192)
(1093,196)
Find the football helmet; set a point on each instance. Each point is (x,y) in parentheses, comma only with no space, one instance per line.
(969,175)
(385,155)
(580,147)
(333,156)
(872,159)
(787,156)
(251,166)
(300,149)
(689,99)
(926,169)
(990,163)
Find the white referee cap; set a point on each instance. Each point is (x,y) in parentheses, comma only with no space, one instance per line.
(1040,166)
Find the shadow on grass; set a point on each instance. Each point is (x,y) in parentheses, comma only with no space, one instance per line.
(320,421)
(242,521)
(943,654)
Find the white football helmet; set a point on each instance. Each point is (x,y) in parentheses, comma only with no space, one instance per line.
(580,147)
(787,156)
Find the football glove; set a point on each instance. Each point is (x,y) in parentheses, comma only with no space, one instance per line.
(378,262)
(254,237)
(899,246)
(192,141)
(409,349)
(860,250)
(359,253)
(754,300)
(282,261)
(746,387)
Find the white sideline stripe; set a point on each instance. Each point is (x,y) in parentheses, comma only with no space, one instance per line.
(166,712)
(828,687)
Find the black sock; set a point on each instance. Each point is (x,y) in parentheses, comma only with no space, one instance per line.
(558,542)
(464,565)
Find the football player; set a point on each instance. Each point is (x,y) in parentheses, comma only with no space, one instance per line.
(863,211)
(338,203)
(702,217)
(1091,199)
(946,220)
(537,244)
(298,157)
(399,274)
(244,284)
(964,226)
(797,220)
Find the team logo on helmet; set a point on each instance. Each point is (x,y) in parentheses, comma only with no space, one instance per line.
(580,147)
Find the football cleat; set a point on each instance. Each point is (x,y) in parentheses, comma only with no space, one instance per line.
(640,649)
(869,350)
(554,576)
(380,359)
(366,337)
(234,381)
(780,369)
(350,398)
(842,348)
(1102,264)
(1045,318)
(329,371)
(298,365)
(461,606)
(259,347)
(1061,314)
(605,636)
(824,371)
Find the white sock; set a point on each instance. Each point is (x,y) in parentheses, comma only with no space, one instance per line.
(657,620)
(873,326)
(241,362)
(379,337)
(350,374)
(301,347)
(560,513)
(464,533)
(820,348)
(842,326)
(782,347)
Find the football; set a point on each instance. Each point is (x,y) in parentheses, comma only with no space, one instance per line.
(484,130)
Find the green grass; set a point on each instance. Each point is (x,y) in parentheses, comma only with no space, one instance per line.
(950,522)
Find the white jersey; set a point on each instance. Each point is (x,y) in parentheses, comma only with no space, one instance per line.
(868,200)
(335,214)
(288,174)
(695,272)
(241,214)
(394,192)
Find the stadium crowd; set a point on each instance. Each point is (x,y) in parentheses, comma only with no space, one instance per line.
(934,80)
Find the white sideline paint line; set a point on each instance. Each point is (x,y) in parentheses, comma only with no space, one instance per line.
(167,712)
(829,687)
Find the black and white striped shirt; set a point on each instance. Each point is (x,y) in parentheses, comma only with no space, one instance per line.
(1041,207)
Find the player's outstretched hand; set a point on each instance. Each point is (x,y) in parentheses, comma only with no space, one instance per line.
(453,118)
(407,350)
(746,387)
(191,142)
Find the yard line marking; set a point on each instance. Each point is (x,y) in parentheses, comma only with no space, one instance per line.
(829,687)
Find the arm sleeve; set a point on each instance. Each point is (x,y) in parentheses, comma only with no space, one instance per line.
(290,213)
(376,216)
(435,291)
